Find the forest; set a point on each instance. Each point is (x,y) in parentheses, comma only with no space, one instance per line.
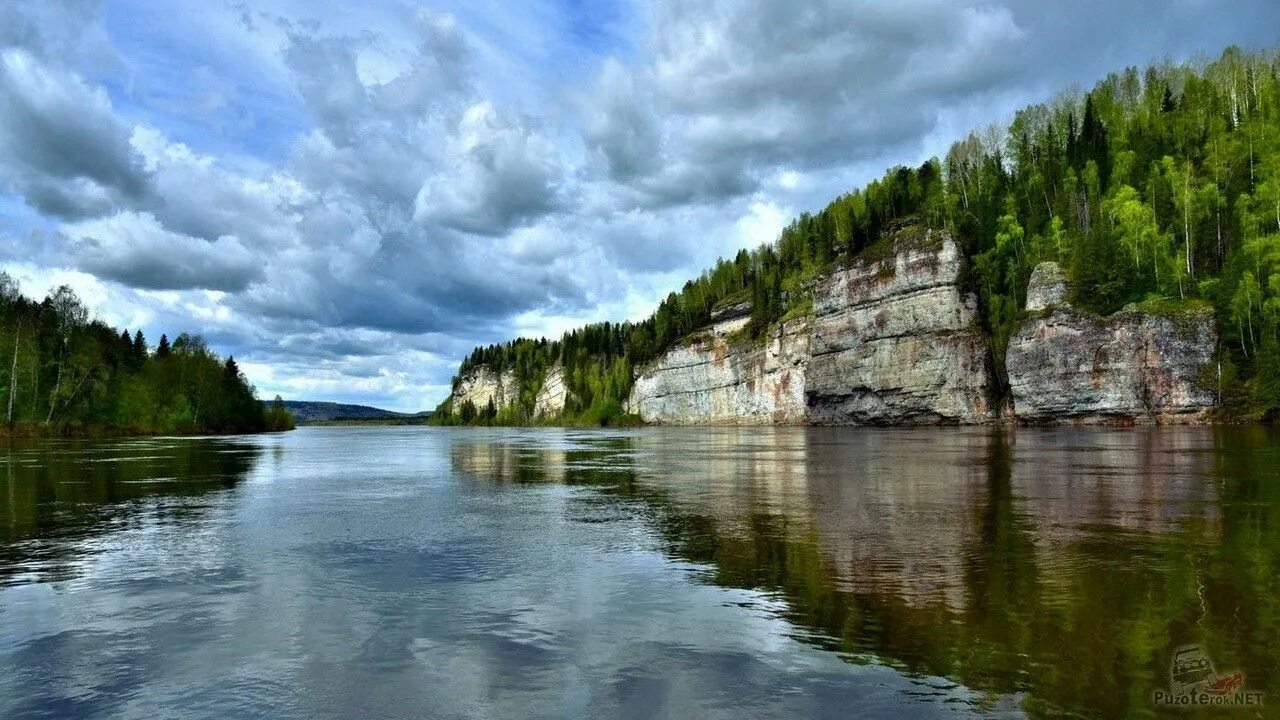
(1158,186)
(69,375)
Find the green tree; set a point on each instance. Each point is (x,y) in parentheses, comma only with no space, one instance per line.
(139,347)
(69,316)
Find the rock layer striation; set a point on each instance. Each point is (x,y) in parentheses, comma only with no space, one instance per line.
(889,342)
(894,339)
(1066,365)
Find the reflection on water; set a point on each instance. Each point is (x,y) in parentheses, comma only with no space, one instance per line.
(1061,566)
(58,496)
(789,572)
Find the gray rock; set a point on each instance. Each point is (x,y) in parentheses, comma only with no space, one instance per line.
(715,380)
(1048,287)
(889,342)
(895,343)
(553,394)
(1073,367)
(482,385)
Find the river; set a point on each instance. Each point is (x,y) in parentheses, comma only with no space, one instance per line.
(665,573)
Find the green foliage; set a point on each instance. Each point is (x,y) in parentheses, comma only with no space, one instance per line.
(277,417)
(62,373)
(1162,185)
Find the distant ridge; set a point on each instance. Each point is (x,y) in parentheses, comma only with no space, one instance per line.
(306,412)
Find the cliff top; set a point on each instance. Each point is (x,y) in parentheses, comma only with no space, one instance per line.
(904,236)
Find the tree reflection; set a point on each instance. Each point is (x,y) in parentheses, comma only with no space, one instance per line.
(1060,568)
(56,497)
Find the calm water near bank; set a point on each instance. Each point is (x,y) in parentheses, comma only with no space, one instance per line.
(674,573)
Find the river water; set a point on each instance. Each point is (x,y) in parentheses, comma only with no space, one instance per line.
(673,573)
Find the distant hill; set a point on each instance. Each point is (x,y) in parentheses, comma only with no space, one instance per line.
(306,412)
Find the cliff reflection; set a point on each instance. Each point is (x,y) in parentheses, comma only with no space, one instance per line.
(1061,566)
(59,498)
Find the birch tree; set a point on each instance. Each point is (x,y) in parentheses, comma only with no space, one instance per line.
(69,316)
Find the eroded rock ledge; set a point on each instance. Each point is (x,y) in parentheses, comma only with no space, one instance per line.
(715,380)
(1069,366)
(895,342)
(482,386)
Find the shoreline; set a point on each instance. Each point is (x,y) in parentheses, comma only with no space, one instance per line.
(98,433)
(1084,422)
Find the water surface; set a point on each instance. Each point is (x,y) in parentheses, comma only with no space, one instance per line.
(674,573)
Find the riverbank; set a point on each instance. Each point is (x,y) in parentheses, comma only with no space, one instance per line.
(606,418)
(367,422)
(96,432)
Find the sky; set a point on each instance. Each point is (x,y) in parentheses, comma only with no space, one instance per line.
(348,197)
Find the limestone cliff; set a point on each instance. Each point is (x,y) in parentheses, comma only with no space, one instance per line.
(553,394)
(1066,365)
(481,385)
(890,342)
(715,380)
(895,341)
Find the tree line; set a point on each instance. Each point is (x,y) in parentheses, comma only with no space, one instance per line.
(1158,186)
(67,374)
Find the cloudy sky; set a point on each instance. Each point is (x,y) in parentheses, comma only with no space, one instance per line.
(349,196)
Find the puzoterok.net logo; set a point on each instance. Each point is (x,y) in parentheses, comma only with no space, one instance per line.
(1193,682)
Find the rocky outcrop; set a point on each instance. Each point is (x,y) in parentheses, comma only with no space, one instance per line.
(553,394)
(893,339)
(719,379)
(1047,288)
(481,385)
(1066,365)
(895,342)
(889,342)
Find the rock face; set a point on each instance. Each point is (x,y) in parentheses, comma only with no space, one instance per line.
(893,339)
(715,380)
(482,385)
(895,342)
(1048,287)
(890,342)
(1065,365)
(551,398)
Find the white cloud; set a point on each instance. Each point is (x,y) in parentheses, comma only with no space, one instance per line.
(134,249)
(503,175)
(761,225)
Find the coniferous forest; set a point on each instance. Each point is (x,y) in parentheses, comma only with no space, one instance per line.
(1158,186)
(66,374)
